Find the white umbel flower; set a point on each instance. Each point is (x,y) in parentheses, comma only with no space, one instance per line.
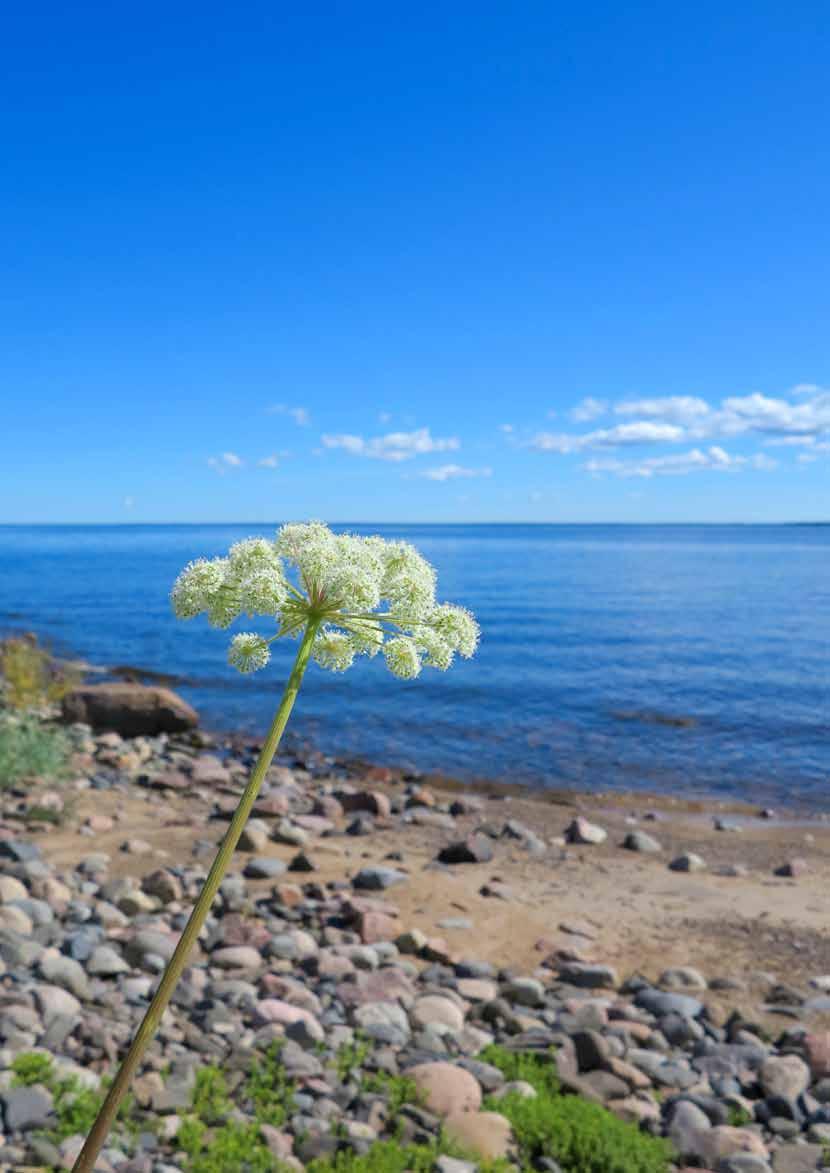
(361,596)
(197,586)
(402,657)
(333,650)
(248,652)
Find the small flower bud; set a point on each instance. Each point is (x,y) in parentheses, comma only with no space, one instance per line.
(248,652)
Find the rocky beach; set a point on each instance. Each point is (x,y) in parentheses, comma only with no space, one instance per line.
(405,955)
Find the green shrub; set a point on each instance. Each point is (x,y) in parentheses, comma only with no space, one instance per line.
(269,1089)
(234,1148)
(75,1106)
(397,1090)
(211,1101)
(31,1067)
(581,1136)
(31,678)
(30,749)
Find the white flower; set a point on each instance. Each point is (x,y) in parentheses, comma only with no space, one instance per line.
(458,627)
(402,657)
(196,587)
(359,594)
(248,652)
(333,650)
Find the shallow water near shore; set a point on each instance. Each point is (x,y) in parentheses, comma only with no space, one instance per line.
(690,660)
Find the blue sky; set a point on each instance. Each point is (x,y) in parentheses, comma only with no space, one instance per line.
(453,262)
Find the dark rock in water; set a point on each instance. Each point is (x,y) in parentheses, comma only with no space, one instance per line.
(474,849)
(133,710)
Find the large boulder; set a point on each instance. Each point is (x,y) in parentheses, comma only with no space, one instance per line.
(133,710)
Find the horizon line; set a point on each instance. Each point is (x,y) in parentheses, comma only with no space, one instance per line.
(202,524)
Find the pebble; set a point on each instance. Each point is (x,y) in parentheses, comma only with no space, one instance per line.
(642,842)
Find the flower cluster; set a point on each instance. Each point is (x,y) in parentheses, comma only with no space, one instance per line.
(363,596)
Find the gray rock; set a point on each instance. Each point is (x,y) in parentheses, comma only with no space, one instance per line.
(263,868)
(659,1003)
(25,1108)
(376,879)
(584,833)
(688,862)
(640,841)
(475,848)
(66,973)
(587,976)
(686,1122)
(106,962)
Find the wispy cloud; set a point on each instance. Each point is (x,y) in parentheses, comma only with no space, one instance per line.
(640,432)
(394,446)
(508,429)
(679,409)
(713,458)
(225,462)
(300,415)
(589,409)
(268,462)
(452,472)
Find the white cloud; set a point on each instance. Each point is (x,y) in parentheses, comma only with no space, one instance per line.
(639,432)
(226,461)
(506,428)
(451,472)
(678,409)
(713,458)
(770,416)
(395,446)
(588,409)
(384,417)
(268,462)
(300,415)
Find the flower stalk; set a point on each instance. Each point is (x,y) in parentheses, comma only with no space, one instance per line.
(341,581)
(144,1035)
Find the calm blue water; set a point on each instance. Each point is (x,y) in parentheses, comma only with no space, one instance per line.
(727,625)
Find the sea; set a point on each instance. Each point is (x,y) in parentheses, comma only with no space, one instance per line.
(686,659)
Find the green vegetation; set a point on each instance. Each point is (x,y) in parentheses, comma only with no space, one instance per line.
(75,1106)
(739,1116)
(583,1137)
(31,678)
(30,749)
(268,1088)
(397,1090)
(236,1147)
(351,1057)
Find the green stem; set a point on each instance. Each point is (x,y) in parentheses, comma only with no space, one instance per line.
(109,1109)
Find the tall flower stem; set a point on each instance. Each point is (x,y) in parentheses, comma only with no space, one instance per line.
(109,1109)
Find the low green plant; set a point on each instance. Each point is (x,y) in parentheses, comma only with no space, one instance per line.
(31,1067)
(268,1088)
(233,1148)
(30,749)
(388,1156)
(211,1101)
(580,1136)
(75,1106)
(397,1090)
(31,678)
(738,1116)
(351,1057)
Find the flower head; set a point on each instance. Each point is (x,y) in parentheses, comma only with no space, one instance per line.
(362,595)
